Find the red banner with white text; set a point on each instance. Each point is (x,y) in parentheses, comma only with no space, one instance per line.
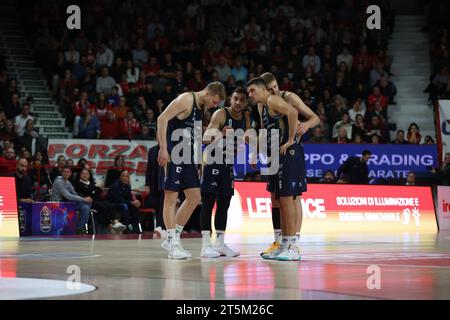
(100,155)
(339,208)
(9,224)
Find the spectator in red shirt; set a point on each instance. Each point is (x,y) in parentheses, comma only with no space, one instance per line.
(8,162)
(121,110)
(79,109)
(141,83)
(197,83)
(286,84)
(377,127)
(152,68)
(129,127)
(364,58)
(162,40)
(102,106)
(67,84)
(249,41)
(414,135)
(9,131)
(110,127)
(124,85)
(377,96)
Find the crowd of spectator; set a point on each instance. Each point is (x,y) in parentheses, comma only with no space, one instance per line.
(115,76)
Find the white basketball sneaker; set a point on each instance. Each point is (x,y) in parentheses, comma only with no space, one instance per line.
(226,251)
(273,254)
(209,252)
(182,248)
(291,253)
(177,252)
(166,245)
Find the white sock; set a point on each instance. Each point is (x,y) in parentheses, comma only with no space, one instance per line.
(178,231)
(277,235)
(171,235)
(284,241)
(220,240)
(206,238)
(292,239)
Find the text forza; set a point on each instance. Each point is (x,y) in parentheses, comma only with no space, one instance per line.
(226,149)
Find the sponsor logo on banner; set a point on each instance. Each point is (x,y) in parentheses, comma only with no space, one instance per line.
(388,161)
(100,155)
(45,219)
(339,208)
(443,207)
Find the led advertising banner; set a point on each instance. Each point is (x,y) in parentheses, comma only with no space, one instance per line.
(443,207)
(9,224)
(339,208)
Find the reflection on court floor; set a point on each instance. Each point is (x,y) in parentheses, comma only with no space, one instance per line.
(411,266)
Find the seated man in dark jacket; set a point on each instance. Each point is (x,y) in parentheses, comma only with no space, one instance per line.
(108,215)
(24,186)
(120,193)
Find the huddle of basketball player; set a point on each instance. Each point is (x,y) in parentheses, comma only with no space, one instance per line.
(280,111)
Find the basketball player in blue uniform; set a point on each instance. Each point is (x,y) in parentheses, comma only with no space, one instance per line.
(311,120)
(286,184)
(217,178)
(180,116)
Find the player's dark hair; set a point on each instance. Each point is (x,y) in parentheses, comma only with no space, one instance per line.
(240,90)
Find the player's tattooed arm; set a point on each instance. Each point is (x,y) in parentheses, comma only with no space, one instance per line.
(302,109)
(178,106)
(213,132)
(278,105)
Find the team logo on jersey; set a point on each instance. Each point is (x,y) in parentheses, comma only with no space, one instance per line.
(215,172)
(178,169)
(292,152)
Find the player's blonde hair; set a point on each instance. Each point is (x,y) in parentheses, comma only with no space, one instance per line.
(217,88)
(268,77)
